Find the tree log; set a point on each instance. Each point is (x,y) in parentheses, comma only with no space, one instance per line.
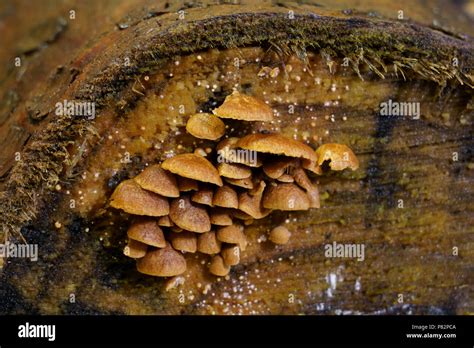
(141,63)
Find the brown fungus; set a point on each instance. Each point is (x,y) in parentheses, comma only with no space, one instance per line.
(205,126)
(286,178)
(275,169)
(132,199)
(289,188)
(252,204)
(165,262)
(244,183)
(189,216)
(234,170)
(231,255)
(165,221)
(135,249)
(184,241)
(220,217)
(203,196)
(207,243)
(157,180)
(186,184)
(339,156)
(244,107)
(193,166)
(285,197)
(312,190)
(218,267)
(280,235)
(225,197)
(147,231)
(233,234)
(276,144)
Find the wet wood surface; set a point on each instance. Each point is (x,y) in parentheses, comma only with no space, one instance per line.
(410,203)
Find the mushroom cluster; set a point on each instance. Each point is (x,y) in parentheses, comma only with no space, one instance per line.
(201,201)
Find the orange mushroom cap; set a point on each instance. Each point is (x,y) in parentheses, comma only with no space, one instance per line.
(189,216)
(193,166)
(277,144)
(155,179)
(244,107)
(165,262)
(132,199)
(147,231)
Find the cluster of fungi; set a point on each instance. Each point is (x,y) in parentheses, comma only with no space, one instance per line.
(201,201)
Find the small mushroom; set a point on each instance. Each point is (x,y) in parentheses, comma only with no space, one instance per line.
(189,216)
(285,197)
(207,243)
(280,235)
(157,180)
(258,188)
(205,126)
(339,156)
(286,178)
(165,221)
(184,241)
(186,184)
(245,183)
(234,170)
(276,144)
(231,255)
(147,231)
(203,196)
(135,249)
(244,107)
(165,262)
(302,179)
(275,169)
(132,199)
(311,190)
(233,234)
(218,267)
(193,166)
(220,217)
(252,204)
(226,197)
(227,151)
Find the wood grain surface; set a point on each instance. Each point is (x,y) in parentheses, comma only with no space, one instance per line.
(410,203)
